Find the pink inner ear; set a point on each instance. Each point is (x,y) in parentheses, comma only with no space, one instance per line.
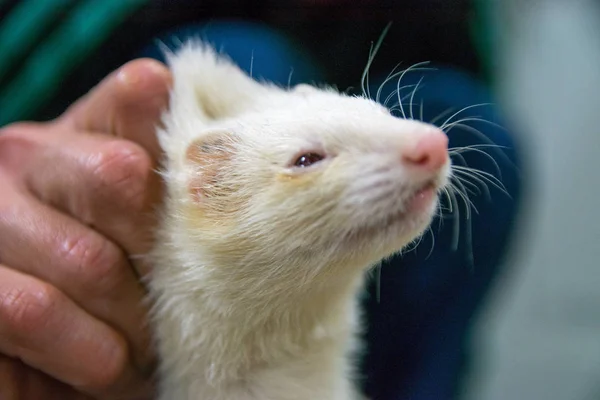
(208,154)
(195,192)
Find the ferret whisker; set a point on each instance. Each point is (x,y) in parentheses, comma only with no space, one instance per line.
(482,176)
(445,190)
(477,190)
(430,231)
(460,158)
(460,189)
(441,115)
(458,154)
(412,245)
(469,229)
(490,176)
(410,103)
(413,68)
(415,244)
(476,119)
(365,79)
(398,106)
(469,243)
(476,131)
(440,209)
(482,190)
(443,126)
(395,93)
(398,90)
(387,79)
(483,137)
(458,192)
(412,97)
(421,112)
(483,184)
(372,53)
(480,172)
(479,147)
(387,100)
(462,121)
(449,208)
(461,124)
(456,224)
(464,149)
(398,84)
(289,81)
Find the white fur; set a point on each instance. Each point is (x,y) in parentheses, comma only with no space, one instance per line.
(258,263)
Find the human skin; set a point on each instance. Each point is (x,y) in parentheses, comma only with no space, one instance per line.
(77,195)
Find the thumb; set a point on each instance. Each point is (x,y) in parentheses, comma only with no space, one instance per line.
(128,103)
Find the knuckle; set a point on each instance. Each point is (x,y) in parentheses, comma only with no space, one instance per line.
(27,308)
(121,170)
(94,263)
(18,128)
(112,366)
(15,146)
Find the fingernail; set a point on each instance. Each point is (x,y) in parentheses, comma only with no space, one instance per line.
(127,77)
(148,76)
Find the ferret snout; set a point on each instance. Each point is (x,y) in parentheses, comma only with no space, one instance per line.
(429,153)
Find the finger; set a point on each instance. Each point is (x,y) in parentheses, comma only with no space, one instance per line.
(128,104)
(91,270)
(102,181)
(19,381)
(42,327)
(107,183)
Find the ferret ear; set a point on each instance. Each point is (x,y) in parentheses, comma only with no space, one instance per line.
(210,158)
(208,84)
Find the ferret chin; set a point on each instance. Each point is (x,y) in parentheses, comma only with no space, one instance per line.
(278,202)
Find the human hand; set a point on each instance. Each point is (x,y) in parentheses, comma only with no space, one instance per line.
(76,199)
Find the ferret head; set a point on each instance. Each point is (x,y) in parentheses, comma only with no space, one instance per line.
(312,177)
(262,178)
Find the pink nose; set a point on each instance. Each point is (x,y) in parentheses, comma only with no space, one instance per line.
(430,152)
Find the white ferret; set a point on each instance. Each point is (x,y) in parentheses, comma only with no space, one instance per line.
(278,202)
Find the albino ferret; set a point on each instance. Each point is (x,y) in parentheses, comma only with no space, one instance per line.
(278,203)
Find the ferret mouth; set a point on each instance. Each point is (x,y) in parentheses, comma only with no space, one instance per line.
(415,208)
(421,199)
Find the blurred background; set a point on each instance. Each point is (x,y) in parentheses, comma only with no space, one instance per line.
(84,40)
(513,311)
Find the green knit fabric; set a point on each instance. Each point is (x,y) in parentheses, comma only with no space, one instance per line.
(38,79)
(23,27)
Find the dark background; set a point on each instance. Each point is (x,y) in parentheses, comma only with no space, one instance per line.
(336,33)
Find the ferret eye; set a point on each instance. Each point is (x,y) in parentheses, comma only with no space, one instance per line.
(306,160)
